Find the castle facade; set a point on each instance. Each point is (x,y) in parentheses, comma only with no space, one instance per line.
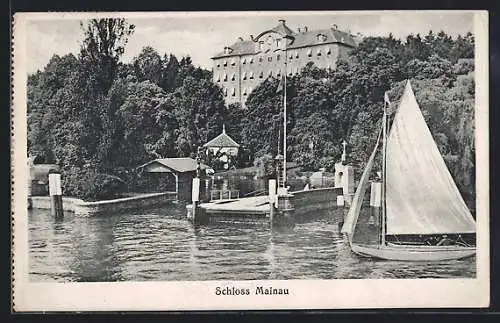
(239,68)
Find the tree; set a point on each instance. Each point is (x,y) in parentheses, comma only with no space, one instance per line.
(42,88)
(103,45)
(170,69)
(141,129)
(263,119)
(199,109)
(148,66)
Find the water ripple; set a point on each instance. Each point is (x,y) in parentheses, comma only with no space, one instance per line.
(162,245)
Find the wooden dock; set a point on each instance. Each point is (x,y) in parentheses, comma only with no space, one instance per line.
(305,203)
(251,206)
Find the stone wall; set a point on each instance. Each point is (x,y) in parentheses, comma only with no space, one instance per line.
(315,200)
(82,208)
(43,202)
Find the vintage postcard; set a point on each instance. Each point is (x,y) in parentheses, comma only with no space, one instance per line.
(250,160)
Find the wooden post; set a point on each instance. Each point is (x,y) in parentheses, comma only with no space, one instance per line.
(55,192)
(176,185)
(285,212)
(272,199)
(375,201)
(197,214)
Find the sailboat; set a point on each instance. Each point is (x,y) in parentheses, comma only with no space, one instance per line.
(421,204)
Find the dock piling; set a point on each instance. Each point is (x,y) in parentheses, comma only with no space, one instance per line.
(55,192)
(197,214)
(285,209)
(272,199)
(375,201)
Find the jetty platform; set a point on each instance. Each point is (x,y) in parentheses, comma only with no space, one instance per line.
(305,204)
(251,206)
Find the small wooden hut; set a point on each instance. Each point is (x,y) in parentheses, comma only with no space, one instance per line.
(183,171)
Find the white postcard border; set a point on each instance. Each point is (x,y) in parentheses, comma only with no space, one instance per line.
(200,295)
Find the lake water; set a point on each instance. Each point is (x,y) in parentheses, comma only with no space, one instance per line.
(161,244)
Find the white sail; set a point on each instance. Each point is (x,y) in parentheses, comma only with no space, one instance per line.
(352,216)
(421,196)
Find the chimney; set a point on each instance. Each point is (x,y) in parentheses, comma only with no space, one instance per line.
(299,29)
(282,21)
(335,26)
(240,38)
(305,28)
(251,37)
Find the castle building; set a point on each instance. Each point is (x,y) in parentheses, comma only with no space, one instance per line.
(243,65)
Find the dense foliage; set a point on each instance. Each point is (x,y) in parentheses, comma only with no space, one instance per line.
(99,118)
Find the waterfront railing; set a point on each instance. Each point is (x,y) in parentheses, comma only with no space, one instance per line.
(216,195)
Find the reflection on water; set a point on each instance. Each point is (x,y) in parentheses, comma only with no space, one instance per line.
(160,244)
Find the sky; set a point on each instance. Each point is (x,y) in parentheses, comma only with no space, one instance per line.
(202,35)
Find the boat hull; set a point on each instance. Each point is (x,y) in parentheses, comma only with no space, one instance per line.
(413,253)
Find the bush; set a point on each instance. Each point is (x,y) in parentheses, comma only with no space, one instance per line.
(265,166)
(89,185)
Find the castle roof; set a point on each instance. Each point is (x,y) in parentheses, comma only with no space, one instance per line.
(298,40)
(222,140)
(283,29)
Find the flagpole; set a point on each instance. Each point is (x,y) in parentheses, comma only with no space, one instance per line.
(284,116)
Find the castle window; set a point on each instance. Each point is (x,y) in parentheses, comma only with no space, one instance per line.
(251,60)
(296,54)
(225,62)
(232,77)
(232,62)
(251,75)
(245,92)
(321,37)
(291,56)
(225,77)
(225,91)
(244,76)
(278,57)
(244,60)
(318,52)
(270,73)
(290,73)
(233,91)
(261,75)
(269,59)
(278,72)
(260,59)
(218,77)
(329,51)
(309,52)
(218,63)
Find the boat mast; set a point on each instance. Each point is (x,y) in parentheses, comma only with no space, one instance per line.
(384,151)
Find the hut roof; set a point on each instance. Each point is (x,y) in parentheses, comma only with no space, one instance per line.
(178,165)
